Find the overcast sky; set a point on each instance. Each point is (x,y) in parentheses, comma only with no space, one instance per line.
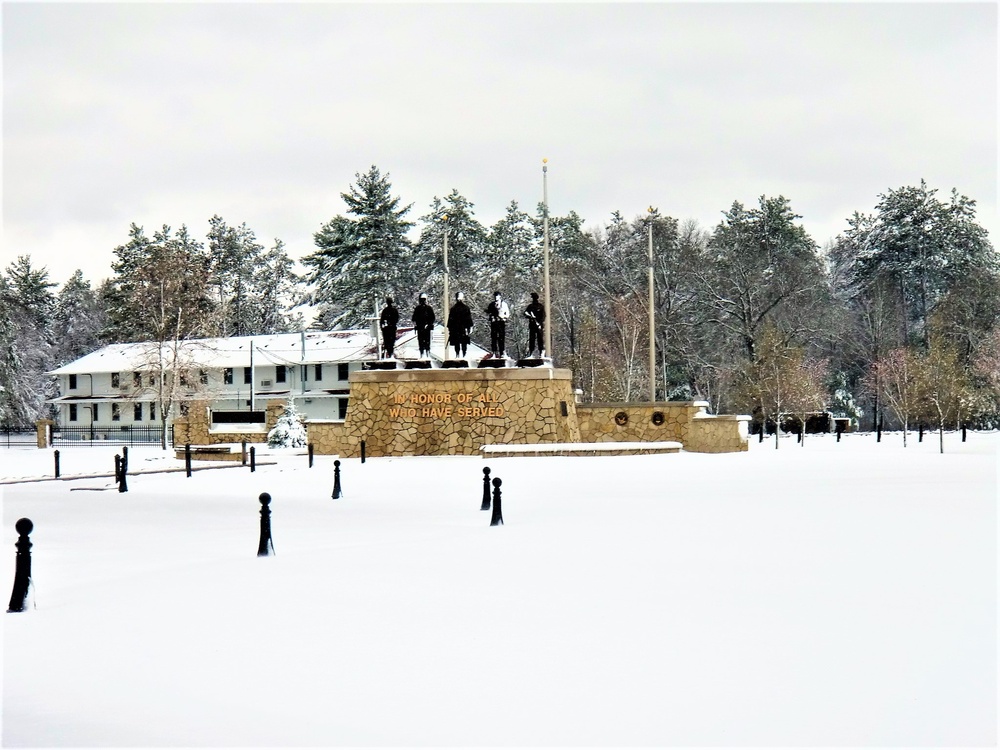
(263,113)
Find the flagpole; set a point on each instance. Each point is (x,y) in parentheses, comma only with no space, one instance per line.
(545,250)
(444,309)
(652,326)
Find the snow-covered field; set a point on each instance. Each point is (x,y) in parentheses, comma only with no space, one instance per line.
(835,594)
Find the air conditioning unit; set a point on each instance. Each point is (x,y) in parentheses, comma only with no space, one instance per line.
(265,383)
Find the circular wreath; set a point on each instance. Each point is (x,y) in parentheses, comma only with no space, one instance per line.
(621,418)
(658,418)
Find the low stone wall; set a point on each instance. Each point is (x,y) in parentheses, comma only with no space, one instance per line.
(195,428)
(724,433)
(684,421)
(454,411)
(326,436)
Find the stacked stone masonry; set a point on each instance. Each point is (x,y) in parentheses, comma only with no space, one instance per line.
(456,411)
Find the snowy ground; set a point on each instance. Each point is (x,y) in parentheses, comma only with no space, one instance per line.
(835,594)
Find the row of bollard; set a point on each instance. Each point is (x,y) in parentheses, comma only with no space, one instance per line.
(265,546)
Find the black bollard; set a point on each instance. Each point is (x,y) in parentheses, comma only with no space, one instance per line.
(362,451)
(310,455)
(336,480)
(253,459)
(22,570)
(878,435)
(123,479)
(243,452)
(118,469)
(187,458)
(920,432)
(266,546)
(840,430)
(125,458)
(497,519)
(55,454)
(963,433)
(760,435)
(486,489)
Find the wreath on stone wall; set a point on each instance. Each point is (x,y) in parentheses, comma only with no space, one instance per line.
(621,419)
(657,418)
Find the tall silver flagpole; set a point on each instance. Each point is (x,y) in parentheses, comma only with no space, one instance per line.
(545,250)
(444,309)
(652,327)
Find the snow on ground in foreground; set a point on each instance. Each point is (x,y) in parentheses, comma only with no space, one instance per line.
(835,594)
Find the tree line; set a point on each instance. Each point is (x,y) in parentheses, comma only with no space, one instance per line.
(751,315)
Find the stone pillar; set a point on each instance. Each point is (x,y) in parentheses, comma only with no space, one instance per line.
(43,431)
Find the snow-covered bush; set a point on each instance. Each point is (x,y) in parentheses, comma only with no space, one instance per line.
(288,432)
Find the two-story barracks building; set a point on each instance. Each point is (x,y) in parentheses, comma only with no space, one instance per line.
(117,385)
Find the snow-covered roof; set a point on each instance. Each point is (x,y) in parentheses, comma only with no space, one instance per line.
(310,347)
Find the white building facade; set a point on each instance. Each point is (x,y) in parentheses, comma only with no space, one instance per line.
(120,385)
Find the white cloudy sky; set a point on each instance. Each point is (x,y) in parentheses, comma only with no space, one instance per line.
(263,113)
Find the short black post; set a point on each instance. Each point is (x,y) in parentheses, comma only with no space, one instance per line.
(125,458)
(840,430)
(243,452)
(123,479)
(118,469)
(266,546)
(22,569)
(310,455)
(878,434)
(55,455)
(187,458)
(760,435)
(920,432)
(253,459)
(336,480)
(798,436)
(963,433)
(486,489)
(497,519)
(362,451)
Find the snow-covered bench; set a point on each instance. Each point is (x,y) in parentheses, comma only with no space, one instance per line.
(579,449)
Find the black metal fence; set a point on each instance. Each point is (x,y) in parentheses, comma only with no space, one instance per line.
(122,435)
(18,435)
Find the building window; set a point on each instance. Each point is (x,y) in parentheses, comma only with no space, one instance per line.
(152,380)
(203,377)
(152,411)
(247,375)
(72,382)
(116,414)
(318,371)
(93,413)
(183,378)
(184,409)
(227,376)
(342,408)
(137,412)
(115,380)
(342,371)
(72,412)
(279,374)
(136,380)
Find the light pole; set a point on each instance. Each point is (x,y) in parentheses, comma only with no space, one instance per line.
(545,252)
(444,309)
(652,327)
